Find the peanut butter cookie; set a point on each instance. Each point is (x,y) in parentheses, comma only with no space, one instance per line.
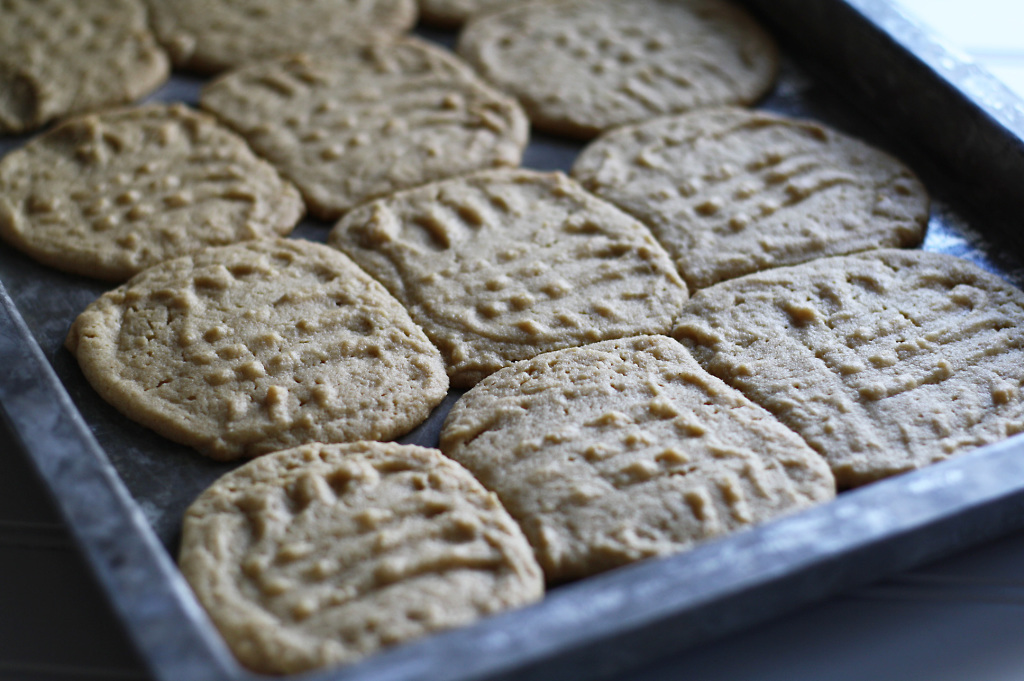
(580,67)
(323,554)
(504,265)
(364,122)
(883,362)
(59,58)
(728,192)
(209,36)
(627,449)
(107,195)
(245,349)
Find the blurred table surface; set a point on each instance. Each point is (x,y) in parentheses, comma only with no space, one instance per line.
(959,618)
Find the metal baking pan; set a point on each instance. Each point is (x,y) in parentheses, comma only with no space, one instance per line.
(858,65)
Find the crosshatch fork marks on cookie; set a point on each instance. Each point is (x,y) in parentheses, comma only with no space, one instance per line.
(502,265)
(352,125)
(626,449)
(729,191)
(323,554)
(883,362)
(581,67)
(246,349)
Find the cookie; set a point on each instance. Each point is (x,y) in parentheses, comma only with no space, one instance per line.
(107,195)
(883,362)
(324,554)
(504,265)
(362,123)
(60,58)
(580,67)
(211,36)
(453,13)
(728,191)
(625,450)
(245,349)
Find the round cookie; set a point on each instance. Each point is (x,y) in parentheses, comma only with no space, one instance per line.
(729,191)
(580,67)
(883,362)
(245,349)
(107,195)
(624,450)
(62,58)
(364,122)
(503,265)
(453,13)
(211,36)
(324,554)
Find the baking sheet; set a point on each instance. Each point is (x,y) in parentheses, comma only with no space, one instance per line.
(123,489)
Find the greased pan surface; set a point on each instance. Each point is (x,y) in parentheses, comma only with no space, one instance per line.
(858,66)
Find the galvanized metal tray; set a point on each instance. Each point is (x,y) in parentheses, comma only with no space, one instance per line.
(858,65)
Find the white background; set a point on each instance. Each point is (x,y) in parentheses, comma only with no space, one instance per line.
(991,32)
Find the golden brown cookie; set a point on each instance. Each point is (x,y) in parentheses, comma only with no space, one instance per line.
(580,67)
(728,191)
(883,362)
(627,449)
(209,36)
(242,350)
(60,57)
(364,122)
(107,195)
(504,265)
(324,554)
